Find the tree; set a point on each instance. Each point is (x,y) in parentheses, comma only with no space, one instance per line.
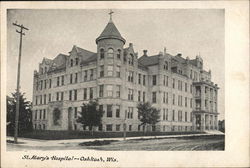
(25,114)
(148,114)
(91,115)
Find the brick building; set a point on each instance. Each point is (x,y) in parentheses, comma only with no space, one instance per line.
(178,86)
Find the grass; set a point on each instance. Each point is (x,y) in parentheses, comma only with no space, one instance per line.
(57,135)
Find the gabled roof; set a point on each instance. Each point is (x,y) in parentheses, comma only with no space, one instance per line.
(110,31)
(58,63)
(179,59)
(149,60)
(92,58)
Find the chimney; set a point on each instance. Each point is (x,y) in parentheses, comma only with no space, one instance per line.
(145,52)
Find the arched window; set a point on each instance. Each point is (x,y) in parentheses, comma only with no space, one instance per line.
(71,62)
(101,53)
(41,70)
(110,53)
(119,54)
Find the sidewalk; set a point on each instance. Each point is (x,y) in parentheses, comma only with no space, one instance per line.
(58,143)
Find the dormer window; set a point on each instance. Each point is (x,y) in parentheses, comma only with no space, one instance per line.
(166,65)
(110,53)
(102,53)
(131,59)
(77,61)
(119,54)
(71,62)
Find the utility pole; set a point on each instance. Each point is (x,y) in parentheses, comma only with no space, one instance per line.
(18,78)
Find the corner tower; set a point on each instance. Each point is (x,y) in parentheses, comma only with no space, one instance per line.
(110,51)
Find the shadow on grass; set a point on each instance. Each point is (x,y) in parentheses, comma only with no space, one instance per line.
(12,142)
(97,143)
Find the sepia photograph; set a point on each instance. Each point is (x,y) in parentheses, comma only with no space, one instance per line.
(93,80)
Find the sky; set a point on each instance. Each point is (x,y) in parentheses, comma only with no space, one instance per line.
(187,31)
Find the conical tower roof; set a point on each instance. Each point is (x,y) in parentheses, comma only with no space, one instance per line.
(110,32)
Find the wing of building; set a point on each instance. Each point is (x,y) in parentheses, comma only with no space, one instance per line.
(177,85)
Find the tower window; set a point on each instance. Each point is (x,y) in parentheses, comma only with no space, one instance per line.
(71,62)
(102,53)
(110,53)
(119,54)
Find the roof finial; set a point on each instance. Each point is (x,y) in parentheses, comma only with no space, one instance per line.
(110,13)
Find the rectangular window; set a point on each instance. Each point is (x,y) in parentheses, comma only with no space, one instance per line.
(110,90)
(173,99)
(41,85)
(118,71)
(117,114)
(130,94)
(144,80)
(118,91)
(173,117)
(130,76)
(85,94)
(62,95)
(144,97)
(40,116)
(130,112)
(101,90)
(139,96)
(75,113)
(185,87)
(85,75)
(185,116)
(102,71)
(57,96)
(109,127)
(44,114)
(185,101)
(75,94)
(130,127)
(71,78)
(179,115)
(173,83)
(153,97)
(50,83)
(167,81)
(91,93)
(44,99)
(164,97)
(91,74)
(41,99)
(62,80)
(49,97)
(117,127)
(58,81)
(36,115)
(76,77)
(191,103)
(70,95)
(166,114)
(110,70)
(139,79)
(37,85)
(109,110)
(45,84)
(154,80)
